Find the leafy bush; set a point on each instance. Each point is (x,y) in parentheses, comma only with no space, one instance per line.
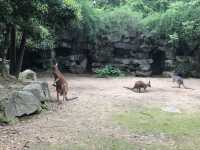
(107,71)
(118,22)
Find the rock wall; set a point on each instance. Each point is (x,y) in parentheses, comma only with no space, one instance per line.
(134,54)
(137,53)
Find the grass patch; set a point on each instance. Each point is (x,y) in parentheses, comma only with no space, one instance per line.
(94,144)
(183,128)
(157,121)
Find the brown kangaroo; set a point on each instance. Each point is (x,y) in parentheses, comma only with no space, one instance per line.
(60,83)
(138,85)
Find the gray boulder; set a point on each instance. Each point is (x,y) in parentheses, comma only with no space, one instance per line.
(145,67)
(125,61)
(143,73)
(123,46)
(20,103)
(27,75)
(167,74)
(40,90)
(169,64)
(142,61)
(79,67)
(73,63)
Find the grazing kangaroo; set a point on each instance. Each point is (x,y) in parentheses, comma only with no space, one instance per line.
(178,80)
(60,83)
(139,85)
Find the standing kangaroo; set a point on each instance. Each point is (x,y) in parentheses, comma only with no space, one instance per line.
(178,80)
(60,83)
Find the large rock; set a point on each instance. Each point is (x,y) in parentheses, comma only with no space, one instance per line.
(125,61)
(169,64)
(143,73)
(20,103)
(143,61)
(79,65)
(145,67)
(144,47)
(140,55)
(40,90)
(167,74)
(123,46)
(73,63)
(27,75)
(103,54)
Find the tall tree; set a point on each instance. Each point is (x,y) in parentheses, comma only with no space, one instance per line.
(26,20)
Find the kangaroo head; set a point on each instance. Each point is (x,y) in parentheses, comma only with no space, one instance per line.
(149,84)
(55,67)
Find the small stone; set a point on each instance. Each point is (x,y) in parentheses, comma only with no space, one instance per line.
(172,109)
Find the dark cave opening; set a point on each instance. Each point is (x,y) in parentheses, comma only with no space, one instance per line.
(158,64)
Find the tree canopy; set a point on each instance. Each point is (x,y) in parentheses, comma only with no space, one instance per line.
(31,22)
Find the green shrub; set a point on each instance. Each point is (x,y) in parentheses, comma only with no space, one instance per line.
(107,71)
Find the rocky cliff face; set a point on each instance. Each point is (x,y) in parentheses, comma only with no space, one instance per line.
(135,54)
(138,53)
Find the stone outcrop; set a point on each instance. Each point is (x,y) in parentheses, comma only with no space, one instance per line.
(21,103)
(76,63)
(26,101)
(27,75)
(40,90)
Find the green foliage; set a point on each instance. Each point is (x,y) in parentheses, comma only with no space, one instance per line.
(38,18)
(107,71)
(44,106)
(175,21)
(112,21)
(119,22)
(109,3)
(89,21)
(156,121)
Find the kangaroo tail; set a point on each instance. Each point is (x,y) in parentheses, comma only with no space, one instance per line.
(70,99)
(188,88)
(128,88)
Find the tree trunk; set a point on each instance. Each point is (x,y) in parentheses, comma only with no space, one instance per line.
(6,42)
(5,70)
(22,51)
(12,50)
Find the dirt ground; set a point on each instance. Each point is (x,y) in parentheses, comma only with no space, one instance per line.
(90,114)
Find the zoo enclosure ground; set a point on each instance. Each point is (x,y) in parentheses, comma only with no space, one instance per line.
(90,115)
